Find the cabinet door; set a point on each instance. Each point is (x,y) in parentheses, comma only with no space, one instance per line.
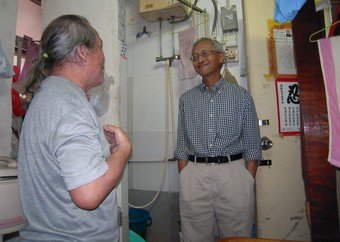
(319,175)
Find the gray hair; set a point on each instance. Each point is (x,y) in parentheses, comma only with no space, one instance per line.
(58,44)
(217,46)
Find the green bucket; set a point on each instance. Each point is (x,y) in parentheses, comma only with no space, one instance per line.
(139,221)
(133,237)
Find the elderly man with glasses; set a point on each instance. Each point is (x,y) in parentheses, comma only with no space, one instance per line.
(218,148)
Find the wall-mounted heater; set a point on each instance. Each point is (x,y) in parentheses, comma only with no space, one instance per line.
(155,10)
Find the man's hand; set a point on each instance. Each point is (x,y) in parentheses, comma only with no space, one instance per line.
(252,167)
(117,139)
(90,195)
(181,164)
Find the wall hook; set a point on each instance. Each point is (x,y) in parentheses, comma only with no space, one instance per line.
(144,32)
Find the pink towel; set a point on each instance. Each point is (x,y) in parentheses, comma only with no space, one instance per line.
(186,41)
(329,51)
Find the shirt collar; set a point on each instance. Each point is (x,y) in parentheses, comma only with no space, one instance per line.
(216,88)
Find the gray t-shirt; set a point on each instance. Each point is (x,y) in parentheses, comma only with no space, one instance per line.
(62,147)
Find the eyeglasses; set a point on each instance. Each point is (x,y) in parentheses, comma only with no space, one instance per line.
(204,53)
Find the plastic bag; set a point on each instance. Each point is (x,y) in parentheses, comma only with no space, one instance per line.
(99,96)
(5,68)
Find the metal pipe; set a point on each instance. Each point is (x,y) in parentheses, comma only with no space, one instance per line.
(160,38)
(173,37)
(174,56)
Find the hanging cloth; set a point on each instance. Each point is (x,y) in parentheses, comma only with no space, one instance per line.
(285,11)
(31,55)
(329,49)
(5,68)
(18,109)
(186,41)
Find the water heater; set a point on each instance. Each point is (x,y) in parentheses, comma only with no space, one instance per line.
(154,10)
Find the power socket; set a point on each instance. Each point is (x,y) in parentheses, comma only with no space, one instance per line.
(230,45)
(230,39)
(231,53)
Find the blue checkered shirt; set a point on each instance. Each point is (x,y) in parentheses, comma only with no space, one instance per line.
(217,122)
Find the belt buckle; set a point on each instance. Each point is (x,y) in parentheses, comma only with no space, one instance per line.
(222,159)
(207,161)
(213,163)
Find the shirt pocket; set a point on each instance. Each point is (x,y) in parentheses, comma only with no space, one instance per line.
(228,127)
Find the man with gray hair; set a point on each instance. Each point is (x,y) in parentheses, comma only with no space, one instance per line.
(218,148)
(69,165)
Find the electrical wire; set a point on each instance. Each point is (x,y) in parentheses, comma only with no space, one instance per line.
(215,16)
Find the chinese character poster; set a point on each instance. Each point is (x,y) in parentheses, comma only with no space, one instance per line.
(288,103)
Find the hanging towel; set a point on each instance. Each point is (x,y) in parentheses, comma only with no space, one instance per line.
(5,68)
(286,10)
(186,41)
(329,49)
(31,55)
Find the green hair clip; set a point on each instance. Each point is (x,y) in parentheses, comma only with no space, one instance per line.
(45,55)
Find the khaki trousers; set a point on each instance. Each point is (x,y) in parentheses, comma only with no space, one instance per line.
(216,198)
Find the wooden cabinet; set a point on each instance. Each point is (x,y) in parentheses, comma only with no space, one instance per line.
(319,176)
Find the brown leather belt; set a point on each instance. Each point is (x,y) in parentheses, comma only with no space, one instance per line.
(217,159)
